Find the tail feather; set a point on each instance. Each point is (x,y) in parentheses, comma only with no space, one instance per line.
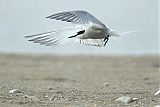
(114,33)
(129,32)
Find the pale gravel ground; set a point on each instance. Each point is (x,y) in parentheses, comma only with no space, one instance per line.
(78,81)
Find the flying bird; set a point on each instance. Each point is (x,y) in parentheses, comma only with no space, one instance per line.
(87,30)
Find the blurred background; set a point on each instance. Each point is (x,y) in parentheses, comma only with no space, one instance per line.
(77,75)
(19,18)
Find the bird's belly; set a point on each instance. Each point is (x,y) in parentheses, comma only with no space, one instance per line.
(94,32)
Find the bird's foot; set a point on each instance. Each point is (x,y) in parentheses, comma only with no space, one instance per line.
(105,40)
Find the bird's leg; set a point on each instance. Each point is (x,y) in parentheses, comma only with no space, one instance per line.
(78,33)
(106,40)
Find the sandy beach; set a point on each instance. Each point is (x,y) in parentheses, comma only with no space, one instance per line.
(78,81)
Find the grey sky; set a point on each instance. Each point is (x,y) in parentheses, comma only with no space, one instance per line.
(19,18)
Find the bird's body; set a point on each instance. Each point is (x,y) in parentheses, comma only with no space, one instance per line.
(94,31)
(88,30)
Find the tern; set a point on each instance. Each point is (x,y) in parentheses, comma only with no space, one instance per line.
(87,30)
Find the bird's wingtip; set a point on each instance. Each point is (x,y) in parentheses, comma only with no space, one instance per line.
(27,36)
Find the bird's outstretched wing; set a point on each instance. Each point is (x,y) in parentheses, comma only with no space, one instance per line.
(62,38)
(76,17)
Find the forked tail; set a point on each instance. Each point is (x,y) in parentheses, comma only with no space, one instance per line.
(114,33)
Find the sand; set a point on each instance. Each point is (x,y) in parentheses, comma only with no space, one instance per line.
(78,81)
